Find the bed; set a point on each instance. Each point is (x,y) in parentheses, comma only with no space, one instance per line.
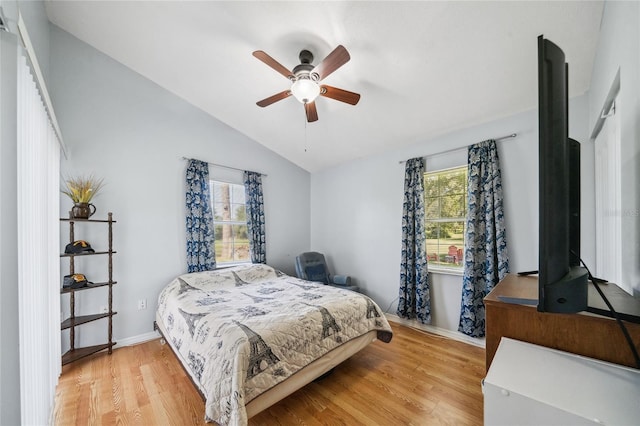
(250,335)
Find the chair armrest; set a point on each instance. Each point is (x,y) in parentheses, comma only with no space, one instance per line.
(341,280)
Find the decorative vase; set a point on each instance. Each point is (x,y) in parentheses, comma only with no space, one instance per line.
(83,210)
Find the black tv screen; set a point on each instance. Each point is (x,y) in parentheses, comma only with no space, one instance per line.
(562,282)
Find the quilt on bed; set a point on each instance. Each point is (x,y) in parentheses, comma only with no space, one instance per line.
(245,329)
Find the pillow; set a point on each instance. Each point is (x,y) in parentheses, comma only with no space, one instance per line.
(317,273)
(230,276)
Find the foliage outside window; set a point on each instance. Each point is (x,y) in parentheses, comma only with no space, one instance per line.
(445,216)
(230,223)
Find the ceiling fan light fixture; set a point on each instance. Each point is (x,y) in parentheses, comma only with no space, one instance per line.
(305,90)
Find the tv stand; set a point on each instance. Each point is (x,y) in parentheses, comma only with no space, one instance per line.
(593,336)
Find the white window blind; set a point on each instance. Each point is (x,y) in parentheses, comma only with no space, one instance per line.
(38,156)
(608,200)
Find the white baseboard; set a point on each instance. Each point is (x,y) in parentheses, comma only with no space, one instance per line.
(455,335)
(140,338)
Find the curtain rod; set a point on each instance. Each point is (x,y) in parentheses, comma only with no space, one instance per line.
(226,167)
(512,135)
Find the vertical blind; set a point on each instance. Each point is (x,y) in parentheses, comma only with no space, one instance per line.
(38,245)
(608,163)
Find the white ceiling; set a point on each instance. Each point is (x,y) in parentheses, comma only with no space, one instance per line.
(423,68)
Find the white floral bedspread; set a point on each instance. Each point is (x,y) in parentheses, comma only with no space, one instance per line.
(245,329)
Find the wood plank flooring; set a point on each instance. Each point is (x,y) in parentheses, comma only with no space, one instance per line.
(416,379)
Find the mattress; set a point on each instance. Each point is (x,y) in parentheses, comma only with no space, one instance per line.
(303,377)
(250,335)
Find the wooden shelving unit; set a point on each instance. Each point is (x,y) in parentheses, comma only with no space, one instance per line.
(75,353)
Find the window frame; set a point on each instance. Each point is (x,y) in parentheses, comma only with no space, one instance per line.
(212,181)
(439,268)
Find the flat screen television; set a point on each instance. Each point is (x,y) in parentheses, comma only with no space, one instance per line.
(562,282)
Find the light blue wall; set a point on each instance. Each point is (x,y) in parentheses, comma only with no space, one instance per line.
(123,127)
(619,49)
(369,191)
(356,208)
(35,18)
(133,133)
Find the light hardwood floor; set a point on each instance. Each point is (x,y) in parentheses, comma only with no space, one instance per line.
(416,379)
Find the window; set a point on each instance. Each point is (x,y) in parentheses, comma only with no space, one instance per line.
(230,223)
(445,203)
(608,178)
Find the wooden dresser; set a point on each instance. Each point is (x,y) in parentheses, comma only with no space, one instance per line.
(584,334)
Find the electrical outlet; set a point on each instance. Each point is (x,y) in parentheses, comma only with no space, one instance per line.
(142,304)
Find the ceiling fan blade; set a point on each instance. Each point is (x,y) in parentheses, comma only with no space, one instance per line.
(275,98)
(339,94)
(332,62)
(273,63)
(312,112)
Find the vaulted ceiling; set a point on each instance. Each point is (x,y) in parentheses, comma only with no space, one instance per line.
(423,68)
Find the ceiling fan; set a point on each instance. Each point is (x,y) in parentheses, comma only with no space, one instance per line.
(306,79)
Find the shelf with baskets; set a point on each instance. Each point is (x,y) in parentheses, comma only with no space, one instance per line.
(74,353)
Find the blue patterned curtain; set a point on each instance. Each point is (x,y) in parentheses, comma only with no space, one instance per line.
(255,216)
(486,261)
(200,242)
(414,300)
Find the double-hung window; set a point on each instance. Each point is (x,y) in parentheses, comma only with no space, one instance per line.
(445,216)
(230,223)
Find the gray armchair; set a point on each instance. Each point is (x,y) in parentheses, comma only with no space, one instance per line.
(311,266)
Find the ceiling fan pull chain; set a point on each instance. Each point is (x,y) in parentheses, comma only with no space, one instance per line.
(305,135)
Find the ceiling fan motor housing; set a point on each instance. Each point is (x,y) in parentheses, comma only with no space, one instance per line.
(303,71)
(306,57)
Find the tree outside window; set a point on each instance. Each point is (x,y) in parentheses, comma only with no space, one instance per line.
(445,216)
(230,223)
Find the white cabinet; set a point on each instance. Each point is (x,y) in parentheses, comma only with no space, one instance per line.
(534,385)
